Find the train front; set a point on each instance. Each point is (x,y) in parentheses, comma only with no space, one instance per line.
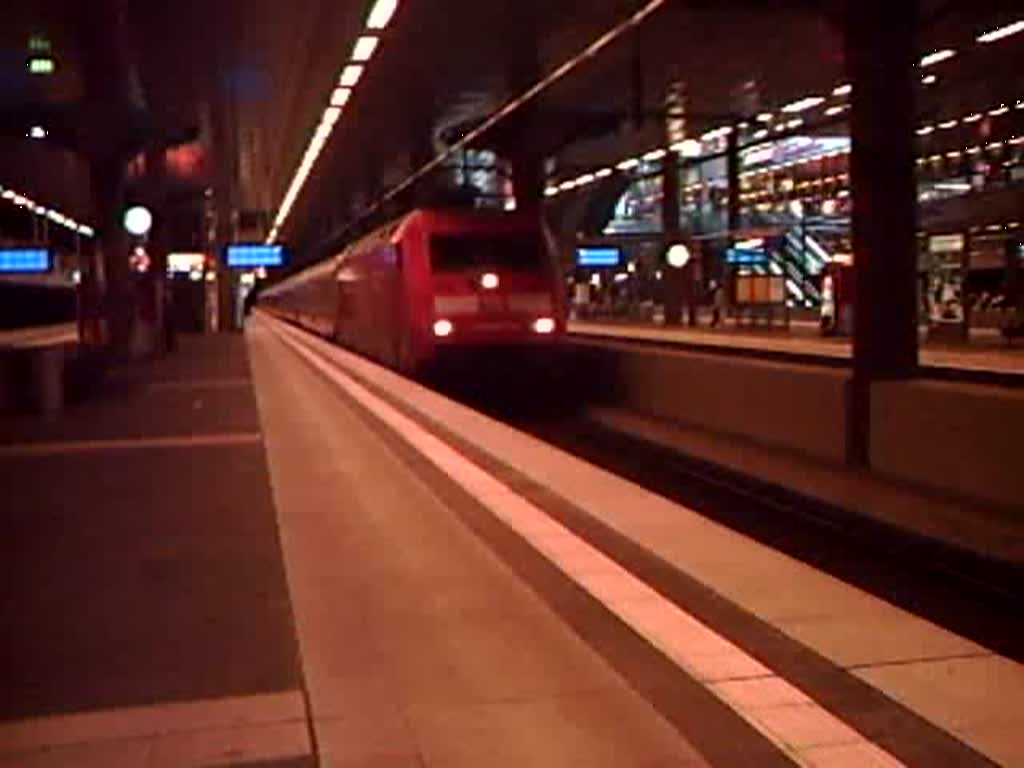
(496,292)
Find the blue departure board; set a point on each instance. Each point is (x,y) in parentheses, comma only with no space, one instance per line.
(598,256)
(25,260)
(253,255)
(746,256)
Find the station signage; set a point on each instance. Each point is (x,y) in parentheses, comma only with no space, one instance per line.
(746,256)
(752,251)
(249,255)
(25,261)
(598,256)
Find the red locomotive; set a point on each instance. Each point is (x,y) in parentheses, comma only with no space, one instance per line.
(432,284)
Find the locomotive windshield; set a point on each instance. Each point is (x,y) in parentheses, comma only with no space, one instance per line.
(515,252)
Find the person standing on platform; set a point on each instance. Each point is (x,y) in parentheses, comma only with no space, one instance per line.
(90,315)
(718,304)
(170,342)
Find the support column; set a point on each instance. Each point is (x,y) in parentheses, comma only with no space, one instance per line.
(421,141)
(157,247)
(1015,294)
(675,280)
(523,70)
(107,180)
(638,83)
(670,199)
(227,221)
(880,55)
(732,163)
(528,181)
(102,35)
(965,271)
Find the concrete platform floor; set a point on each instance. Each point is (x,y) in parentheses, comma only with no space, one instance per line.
(419,645)
(145,614)
(830,674)
(265,551)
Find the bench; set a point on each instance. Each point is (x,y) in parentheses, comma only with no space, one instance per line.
(34,364)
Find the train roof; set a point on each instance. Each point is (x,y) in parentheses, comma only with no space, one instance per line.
(428,217)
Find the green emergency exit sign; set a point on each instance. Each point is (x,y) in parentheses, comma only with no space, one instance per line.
(41,65)
(40,60)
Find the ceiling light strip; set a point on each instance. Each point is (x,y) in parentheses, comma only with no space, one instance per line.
(938,56)
(1001,32)
(363,49)
(52,214)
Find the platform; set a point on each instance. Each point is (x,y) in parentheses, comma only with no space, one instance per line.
(987,352)
(267,549)
(39,336)
(145,611)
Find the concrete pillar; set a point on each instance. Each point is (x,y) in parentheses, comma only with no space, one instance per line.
(104,40)
(421,141)
(638,83)
(523,69)
(528,181)
(8,388)
(227,232)
(732,162)
(157,247)
(107,177)
(670,197)
(965,270)
(881,54)
(91,330)
(1015,290)
(109,83)
(674,280)
(46,367)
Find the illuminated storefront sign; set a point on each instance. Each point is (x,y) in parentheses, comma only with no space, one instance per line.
(185,262)
(946,243)
(795,149)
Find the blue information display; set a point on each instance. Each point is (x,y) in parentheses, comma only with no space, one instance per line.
(598,256)
(746,256)
(25,260)
(253,255)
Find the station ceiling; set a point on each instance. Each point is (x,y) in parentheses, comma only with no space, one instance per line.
(253,77)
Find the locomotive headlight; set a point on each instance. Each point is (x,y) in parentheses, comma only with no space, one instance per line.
(544,325)
(489,280)
(443,328)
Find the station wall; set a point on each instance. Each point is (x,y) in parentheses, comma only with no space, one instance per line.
(957,439)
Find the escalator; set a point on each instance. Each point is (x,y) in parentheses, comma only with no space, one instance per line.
(799,251)
(803,250)
(803,260)
(800,285)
